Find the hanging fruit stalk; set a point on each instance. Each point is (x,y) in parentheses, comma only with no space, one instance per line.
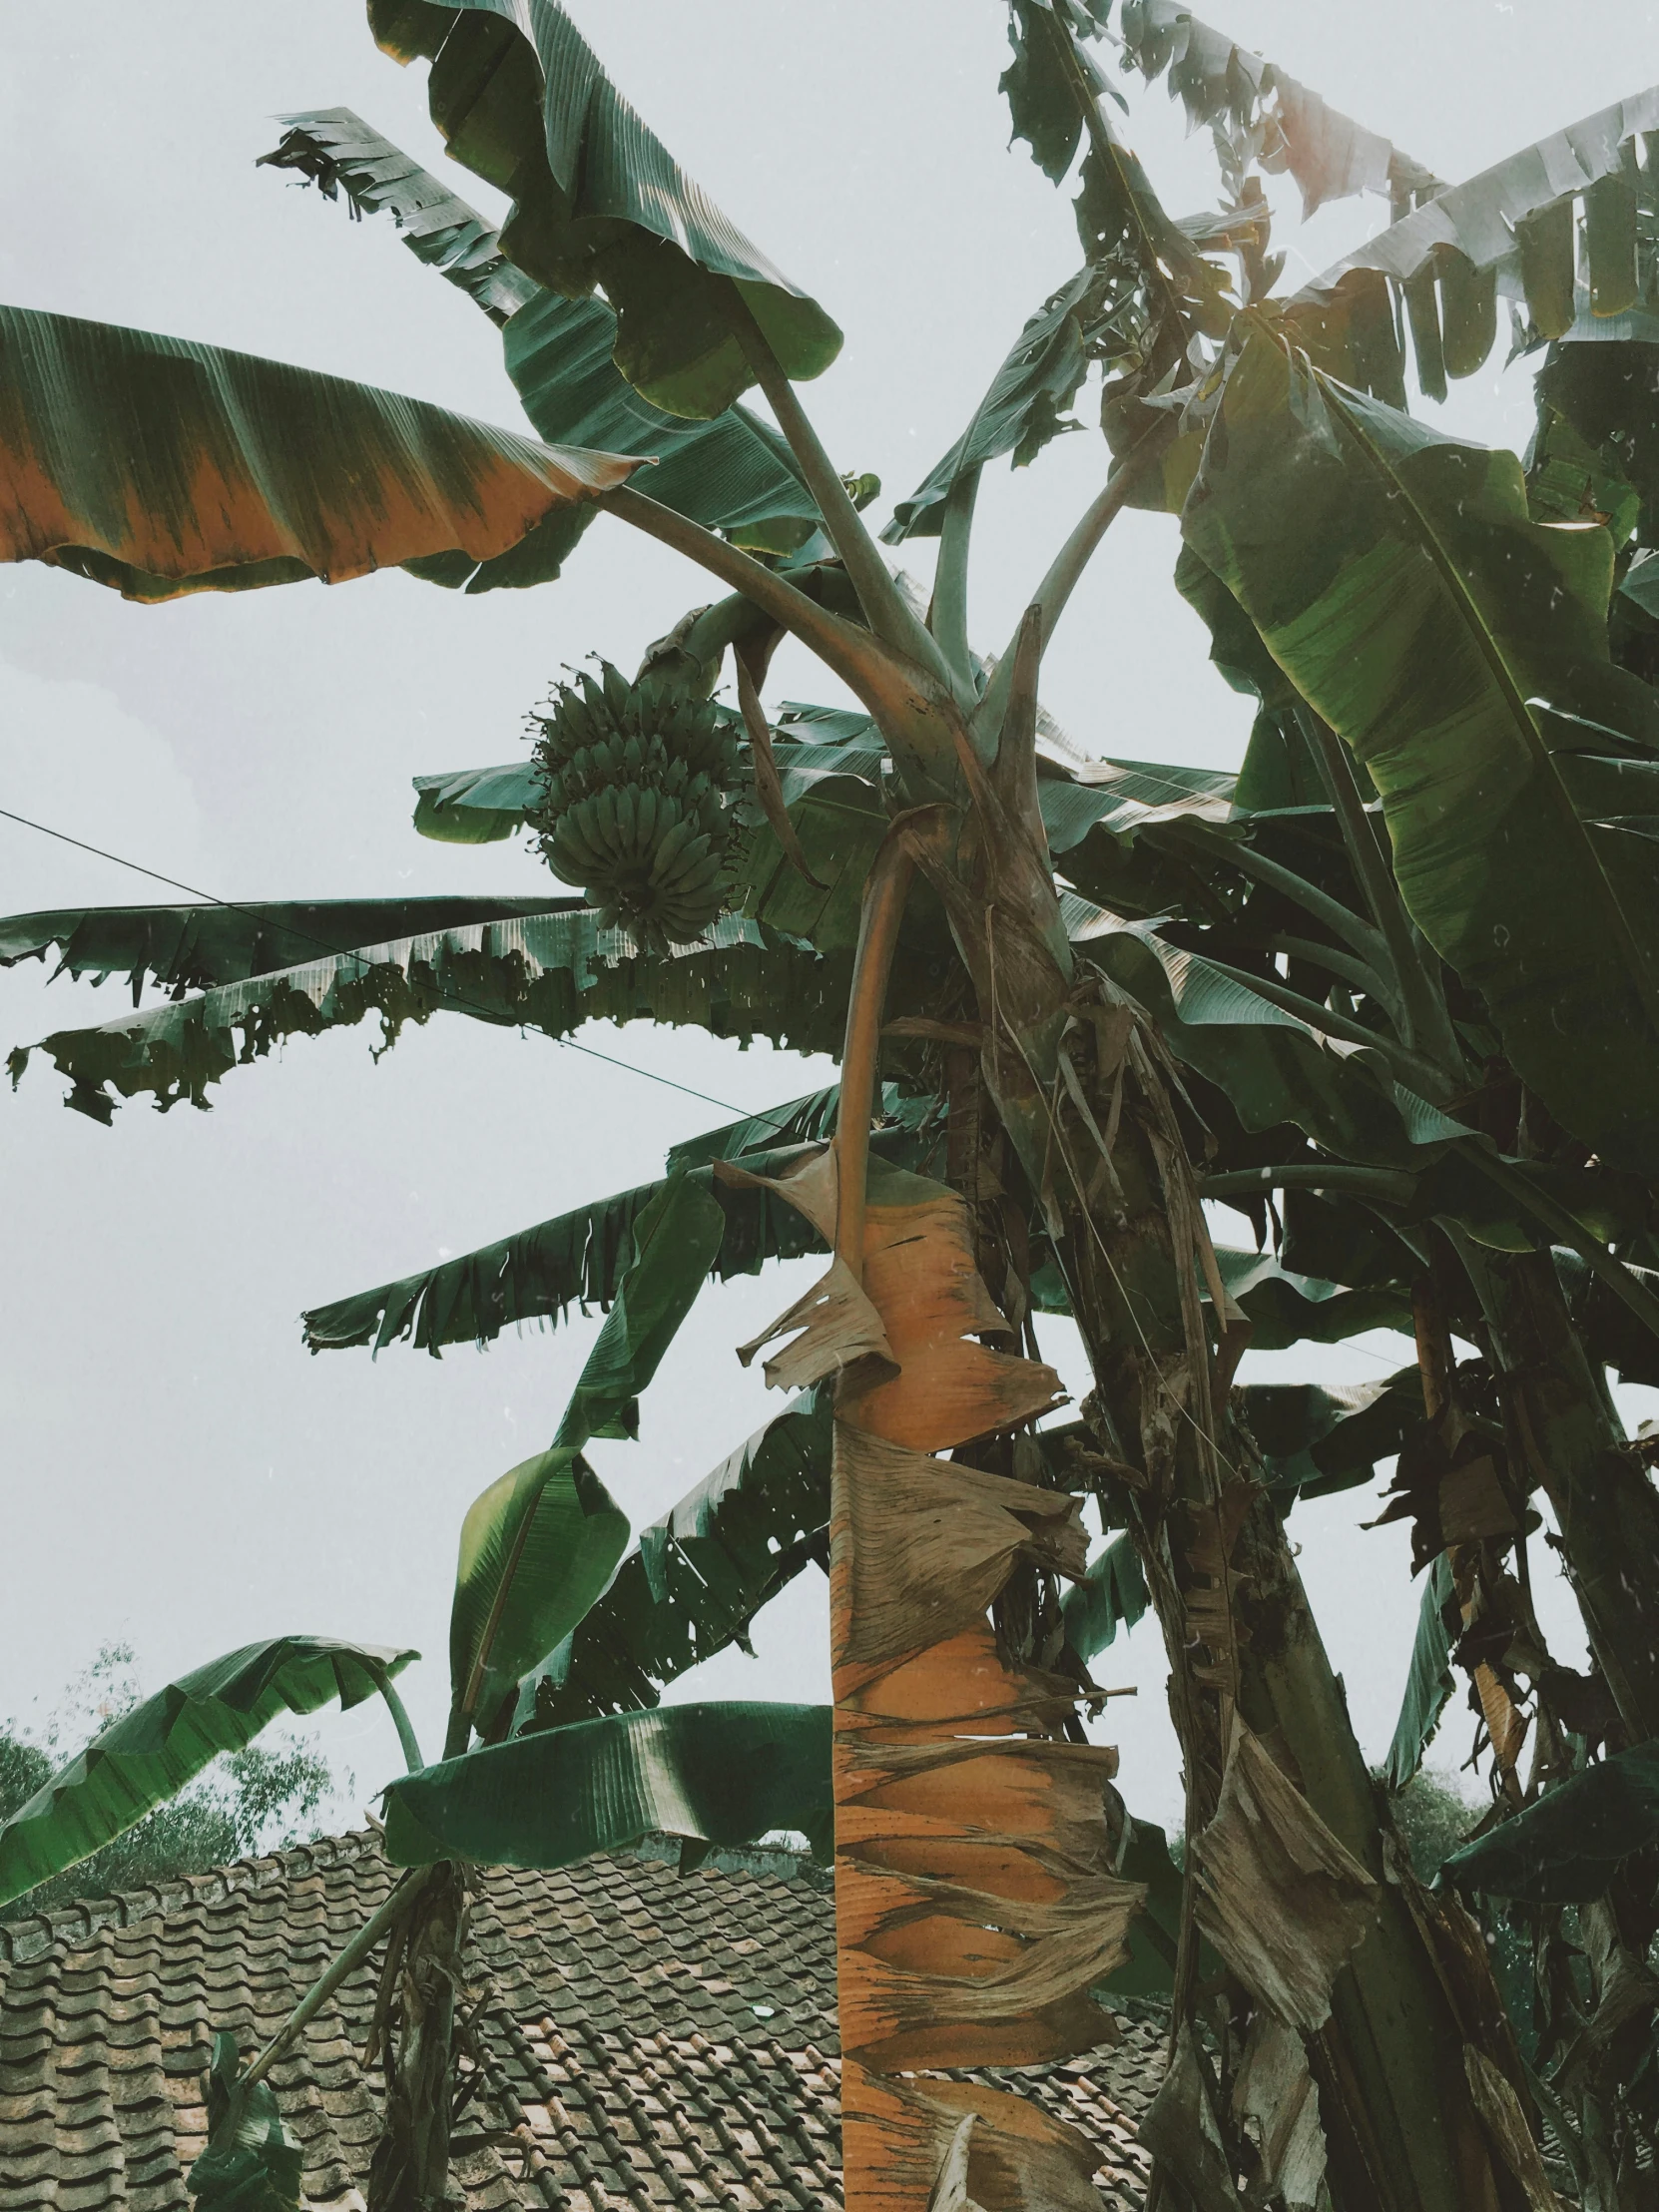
(975,1899)
(639,811)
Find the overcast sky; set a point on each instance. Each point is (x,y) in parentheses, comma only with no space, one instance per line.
(178,1472)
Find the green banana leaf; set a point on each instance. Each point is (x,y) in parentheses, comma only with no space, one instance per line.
(340,153)
(1461,650)
(1605,392)
(1511,228)
(550,971)
(840,821)
(1112,1595)
(1025,407)
(1155,1930)
(477,805)
(1285,1307)
(722,1774)
(807,1120)
(700,1574)
(253,2160)
(185,949)
(522,101)
(161,466)
(148,1756)
(1169,291)
(1317,1438)
(1428,1681)
(537,1548)
(1567,1847)
(1042,103)
(676,1239)
(733,1519)
(1612,1334)
(1271,1065)
(733,474)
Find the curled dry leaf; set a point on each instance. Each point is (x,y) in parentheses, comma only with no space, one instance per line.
(1018,2159)
(974,1885)
(1281,1898)
(921,1297)
(939,1542)
(838,1328)
(1182,2133)
(1275,2091)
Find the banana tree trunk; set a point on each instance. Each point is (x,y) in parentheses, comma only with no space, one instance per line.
(1292,1873)
(414,2025)
(1572,1444)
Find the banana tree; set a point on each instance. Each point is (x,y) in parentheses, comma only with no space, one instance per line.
(888,881)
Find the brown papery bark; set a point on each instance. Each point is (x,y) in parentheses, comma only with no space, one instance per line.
(976,1901)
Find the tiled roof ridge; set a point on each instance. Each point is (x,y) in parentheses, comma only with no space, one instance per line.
(80,1919)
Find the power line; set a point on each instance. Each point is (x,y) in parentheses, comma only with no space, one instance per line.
(341,952)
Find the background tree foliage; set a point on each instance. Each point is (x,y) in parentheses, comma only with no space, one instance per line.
(256,1799)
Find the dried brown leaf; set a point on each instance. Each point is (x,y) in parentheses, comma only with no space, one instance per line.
(1281,1898)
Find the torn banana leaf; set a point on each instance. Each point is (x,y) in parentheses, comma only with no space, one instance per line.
(579,1257)
(700,1574)
(253,2160)
(1567,1847)
(148,1756)
(1025,407)
(1273,1065)
(1428,1681)
(537,1548)
(338,152)
(1509,229)
(598,201)
(674,1241)
(1228,88)
(1111,1595)
(733,474)
(161,466)
(1168,293)
(548,971)
(192,949)
(722,1774)
(1317,1438)
(1042,101)
(1461,650)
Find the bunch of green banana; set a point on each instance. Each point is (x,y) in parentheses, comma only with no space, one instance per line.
(641,783)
